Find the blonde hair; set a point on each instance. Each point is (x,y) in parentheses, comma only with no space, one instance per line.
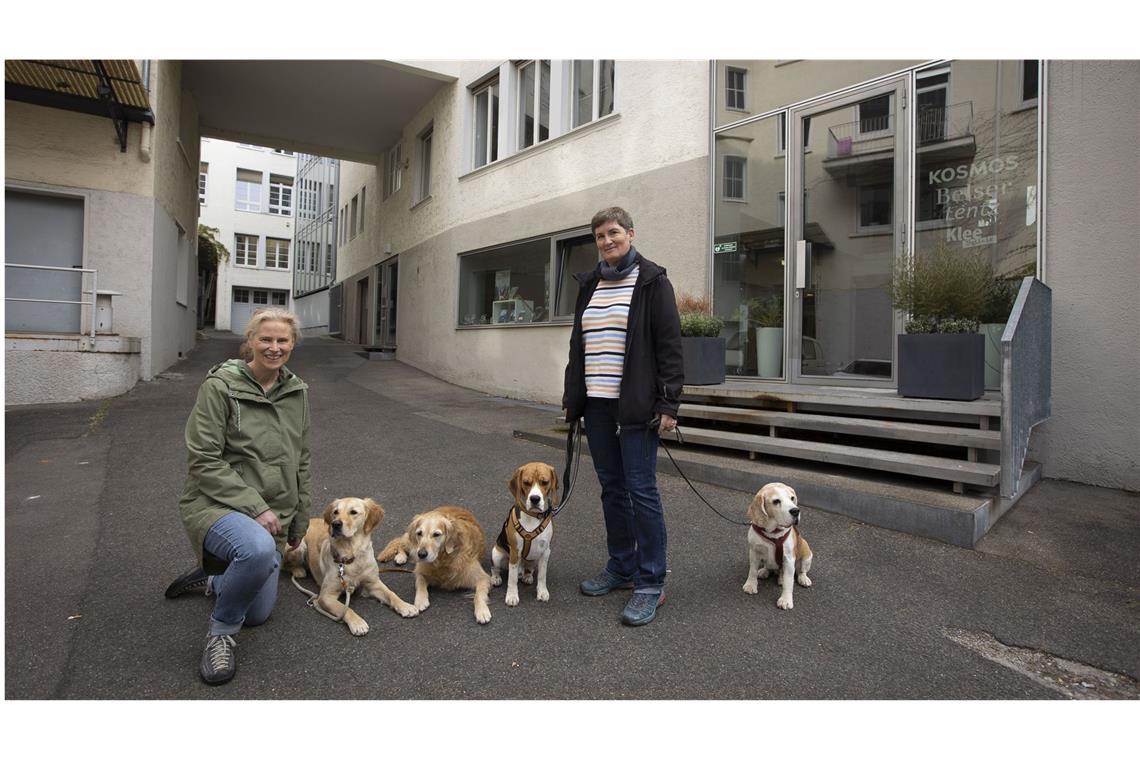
(270,314)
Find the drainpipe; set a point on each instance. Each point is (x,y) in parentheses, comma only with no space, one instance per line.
(144,142)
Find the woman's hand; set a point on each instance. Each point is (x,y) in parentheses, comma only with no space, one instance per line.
(667,424)
(269,521)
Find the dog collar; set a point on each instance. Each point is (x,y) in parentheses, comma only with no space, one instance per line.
(527,535)
(342,560)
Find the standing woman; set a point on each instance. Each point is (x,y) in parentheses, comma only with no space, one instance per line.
(248,489)
(624,376)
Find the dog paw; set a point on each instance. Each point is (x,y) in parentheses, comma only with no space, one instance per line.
(784,602)
(803,580)
(512,599)
(528,579)
(407,610)
(401,558)
(299,572)
(763,573)
(358,628)
(483,615)
(422,604)
(543,595)
(750,587)
(496,581)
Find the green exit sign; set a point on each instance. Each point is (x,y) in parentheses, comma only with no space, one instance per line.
(724,247)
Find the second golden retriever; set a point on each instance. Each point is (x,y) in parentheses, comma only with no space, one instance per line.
(447,544)
(337,550)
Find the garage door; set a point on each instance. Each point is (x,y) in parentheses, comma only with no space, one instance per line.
(246,302)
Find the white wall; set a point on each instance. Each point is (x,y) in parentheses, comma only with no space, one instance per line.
(1093,267)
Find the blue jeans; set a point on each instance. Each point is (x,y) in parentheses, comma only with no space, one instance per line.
(626,465)
(247,590)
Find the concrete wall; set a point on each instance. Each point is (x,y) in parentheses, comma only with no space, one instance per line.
(1093,267)
(313,311)
(60,370)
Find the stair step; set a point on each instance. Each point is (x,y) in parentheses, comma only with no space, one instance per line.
(957,471)
(863,398)
(906,431)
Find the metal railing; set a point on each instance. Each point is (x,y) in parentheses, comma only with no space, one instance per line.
(1026,383)
(861,136)
(94,287)
(935,124)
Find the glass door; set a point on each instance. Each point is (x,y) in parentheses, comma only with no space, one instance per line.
(386,304)
(848,227)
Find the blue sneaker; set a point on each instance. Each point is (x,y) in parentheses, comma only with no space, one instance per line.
(642,608)
(603,583)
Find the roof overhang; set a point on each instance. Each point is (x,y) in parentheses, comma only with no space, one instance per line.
(113,89)
(351,110)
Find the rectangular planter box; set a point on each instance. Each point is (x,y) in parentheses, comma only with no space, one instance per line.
(946,366)
(703,360)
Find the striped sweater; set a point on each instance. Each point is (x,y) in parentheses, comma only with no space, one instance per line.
(604,324)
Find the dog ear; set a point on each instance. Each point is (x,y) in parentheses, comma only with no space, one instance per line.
(413,526)
(375,515)
(513,485)
(757,512)
(553,480)
(327,514)
(451,536)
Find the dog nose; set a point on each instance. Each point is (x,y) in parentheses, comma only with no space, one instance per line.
(794,511)
(422,553)
(535,499)
(337,524)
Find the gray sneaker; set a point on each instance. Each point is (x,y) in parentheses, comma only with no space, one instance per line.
(642,608)
(219,660)
(603,583)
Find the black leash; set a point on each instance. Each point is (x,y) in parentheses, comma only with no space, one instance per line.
(681,439)
(573,442)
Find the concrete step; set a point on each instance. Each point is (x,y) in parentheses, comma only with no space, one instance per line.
(941,468)
(880,498)
(906,431)
(833,396)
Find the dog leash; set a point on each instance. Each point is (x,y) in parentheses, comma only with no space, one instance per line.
(573,461)
(681,439)
(313,598)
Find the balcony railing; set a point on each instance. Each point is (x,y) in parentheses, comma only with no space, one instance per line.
(82,292)
(932,125)
(935,124)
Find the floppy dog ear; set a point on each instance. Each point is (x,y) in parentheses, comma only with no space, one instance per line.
(513,485)
(553,480)
(756,510)
(451,542)
(375,515)
(327,514)
(414,525)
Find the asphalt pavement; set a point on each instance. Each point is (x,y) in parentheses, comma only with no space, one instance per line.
(1046,608)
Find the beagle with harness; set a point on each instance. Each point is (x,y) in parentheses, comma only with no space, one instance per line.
(524,540)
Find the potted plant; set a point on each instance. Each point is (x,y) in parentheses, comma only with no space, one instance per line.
(767,313)
(703,348)
(942,354)
(995,313)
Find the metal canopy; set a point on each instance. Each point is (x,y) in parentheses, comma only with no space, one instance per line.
(107,88)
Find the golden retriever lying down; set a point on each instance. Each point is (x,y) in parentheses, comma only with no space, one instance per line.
(447,544)
(342,539)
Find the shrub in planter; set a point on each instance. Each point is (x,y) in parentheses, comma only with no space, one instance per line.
(702,347)
(995,313)
(942,355)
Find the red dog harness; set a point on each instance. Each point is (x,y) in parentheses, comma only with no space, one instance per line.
(775,541)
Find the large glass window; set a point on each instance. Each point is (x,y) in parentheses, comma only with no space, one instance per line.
(280,195)
(512,284)
(533,103)
(593,88)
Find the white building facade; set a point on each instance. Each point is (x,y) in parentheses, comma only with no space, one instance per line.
(246,192)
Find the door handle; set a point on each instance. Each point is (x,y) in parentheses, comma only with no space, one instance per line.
(803,264)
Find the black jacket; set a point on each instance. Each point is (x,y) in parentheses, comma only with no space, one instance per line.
(652,375)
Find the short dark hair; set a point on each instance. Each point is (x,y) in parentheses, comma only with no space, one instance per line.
(612,214)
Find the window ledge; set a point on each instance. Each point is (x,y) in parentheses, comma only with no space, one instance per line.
(543,146)
(883,232)
(421,203)
(517,325)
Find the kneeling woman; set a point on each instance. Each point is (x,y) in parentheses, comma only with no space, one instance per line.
(248,489)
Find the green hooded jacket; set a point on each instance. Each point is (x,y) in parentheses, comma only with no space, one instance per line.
(248,452)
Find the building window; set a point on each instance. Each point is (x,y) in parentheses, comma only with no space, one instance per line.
(782,133)
(511,284)
(248,194)
(734,173)
(933,115)
(363,192)
(734,80)
(245,250)
(485,126)
(280,195)
(352,217)
(593,90)
(425,163)
(203,175)
(874,207)
(533,103)
(276,253)
(875,114)
(241,295)
(395,173)
(260,297)
(278,297)
(1030,77)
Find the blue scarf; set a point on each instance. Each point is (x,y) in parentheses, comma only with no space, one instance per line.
(622,270)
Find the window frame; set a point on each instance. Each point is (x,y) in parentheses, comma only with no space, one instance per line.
(203,182)
(873,133)
(595,93)
(424,143)
(1024,102)
(276,256)
(885,227)
(237,249)
(742,161)
(285,192)
(394,170)
(742,90)
(248,185)
(536,102)
(489,87)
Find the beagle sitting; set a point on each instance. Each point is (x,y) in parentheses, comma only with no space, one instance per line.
(775,543)
(525,537)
